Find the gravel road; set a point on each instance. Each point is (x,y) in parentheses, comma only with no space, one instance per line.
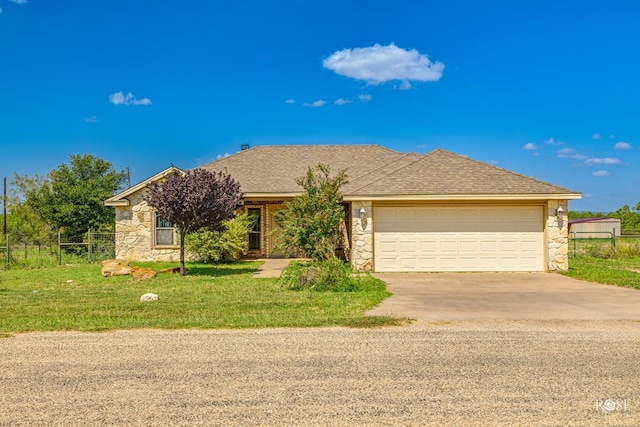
(463,373)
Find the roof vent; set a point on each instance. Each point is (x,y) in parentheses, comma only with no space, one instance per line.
(244,147)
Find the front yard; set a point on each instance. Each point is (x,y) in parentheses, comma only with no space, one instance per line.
(211,296)
(624,271)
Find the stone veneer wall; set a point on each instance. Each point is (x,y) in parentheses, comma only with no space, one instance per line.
(557,236)
(361,237)
(134,234)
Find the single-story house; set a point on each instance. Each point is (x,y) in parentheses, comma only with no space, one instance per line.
(406,212)
(594,228)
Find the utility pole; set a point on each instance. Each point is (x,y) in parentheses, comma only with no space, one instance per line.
(4,207)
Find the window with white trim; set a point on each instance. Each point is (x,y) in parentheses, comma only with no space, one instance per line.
(165,232)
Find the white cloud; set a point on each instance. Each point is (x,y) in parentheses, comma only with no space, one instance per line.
(379,64)
(601,173)
(492,162)
(222,156)
(529,146)
(290,101)
(143,101)
(552,141)
(0,10)
(91,119)
(602,161)
(342,101)
(18,1)
(119,98)
(570,153)
(365,98)
(596,136)
(621,145)
(612,136)
(405,85)
(319,103)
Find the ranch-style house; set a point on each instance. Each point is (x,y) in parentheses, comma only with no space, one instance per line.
(405,212)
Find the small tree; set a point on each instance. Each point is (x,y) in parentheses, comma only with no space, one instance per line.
(311,221)
(194,200)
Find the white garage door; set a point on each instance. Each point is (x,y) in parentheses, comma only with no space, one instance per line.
(448,238)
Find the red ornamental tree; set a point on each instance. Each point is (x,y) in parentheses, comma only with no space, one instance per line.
(194,200)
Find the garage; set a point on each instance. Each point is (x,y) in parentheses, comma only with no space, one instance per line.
(458,238)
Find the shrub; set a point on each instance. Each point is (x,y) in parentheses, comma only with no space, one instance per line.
(229,245)
(624,250)
(621,250)
(331,274)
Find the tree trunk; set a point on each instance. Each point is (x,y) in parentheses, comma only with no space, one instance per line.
(183,271)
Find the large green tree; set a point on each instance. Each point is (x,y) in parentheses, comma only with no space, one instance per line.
(71,197)
(311,221)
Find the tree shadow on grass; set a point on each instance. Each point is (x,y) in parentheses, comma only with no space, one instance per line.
(219,270)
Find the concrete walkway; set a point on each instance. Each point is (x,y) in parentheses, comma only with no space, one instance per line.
(504,296)
(272,267)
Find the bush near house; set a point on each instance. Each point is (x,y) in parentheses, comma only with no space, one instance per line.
(228,245)
(320,275)
(311,223)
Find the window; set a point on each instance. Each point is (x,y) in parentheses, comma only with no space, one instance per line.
(254,233)
(165,232)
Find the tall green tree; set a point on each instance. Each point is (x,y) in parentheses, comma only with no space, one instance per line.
(629,218)
(71,197)
(311,221)
(194,200)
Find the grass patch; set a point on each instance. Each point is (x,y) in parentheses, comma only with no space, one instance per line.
(211,296)
(613,271)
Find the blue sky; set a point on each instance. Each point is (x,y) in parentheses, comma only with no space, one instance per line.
(549,89)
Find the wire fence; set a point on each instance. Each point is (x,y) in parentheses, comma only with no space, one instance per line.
(57,250)
(604,244)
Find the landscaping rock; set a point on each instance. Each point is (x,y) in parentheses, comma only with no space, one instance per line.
(115,267)
(142,273)
(149,297)
(170,270)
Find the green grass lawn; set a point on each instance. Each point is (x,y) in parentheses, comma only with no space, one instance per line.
(614,271)
(211,296)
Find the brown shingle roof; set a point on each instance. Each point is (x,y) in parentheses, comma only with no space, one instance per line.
(441,173)
(273,168)
(377,171)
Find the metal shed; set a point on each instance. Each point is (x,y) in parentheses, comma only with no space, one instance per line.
(594,228)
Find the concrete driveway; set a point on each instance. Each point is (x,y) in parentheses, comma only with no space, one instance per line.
(478,296)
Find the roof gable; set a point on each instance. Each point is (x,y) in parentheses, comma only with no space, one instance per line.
(120,199)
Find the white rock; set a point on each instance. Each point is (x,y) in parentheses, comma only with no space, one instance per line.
(149,297)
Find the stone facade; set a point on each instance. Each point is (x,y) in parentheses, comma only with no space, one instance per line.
(361,237)
(135,234)
(557,233)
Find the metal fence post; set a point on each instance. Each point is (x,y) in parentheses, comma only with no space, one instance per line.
(59,250)
(7,255)
(613,238)
(89,246)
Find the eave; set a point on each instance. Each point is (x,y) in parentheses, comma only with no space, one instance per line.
(461,197)
(120,199)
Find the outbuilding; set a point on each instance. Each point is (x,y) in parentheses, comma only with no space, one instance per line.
(594,228)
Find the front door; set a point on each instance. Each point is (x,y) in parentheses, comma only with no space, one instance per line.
(255,234)
(274,234)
